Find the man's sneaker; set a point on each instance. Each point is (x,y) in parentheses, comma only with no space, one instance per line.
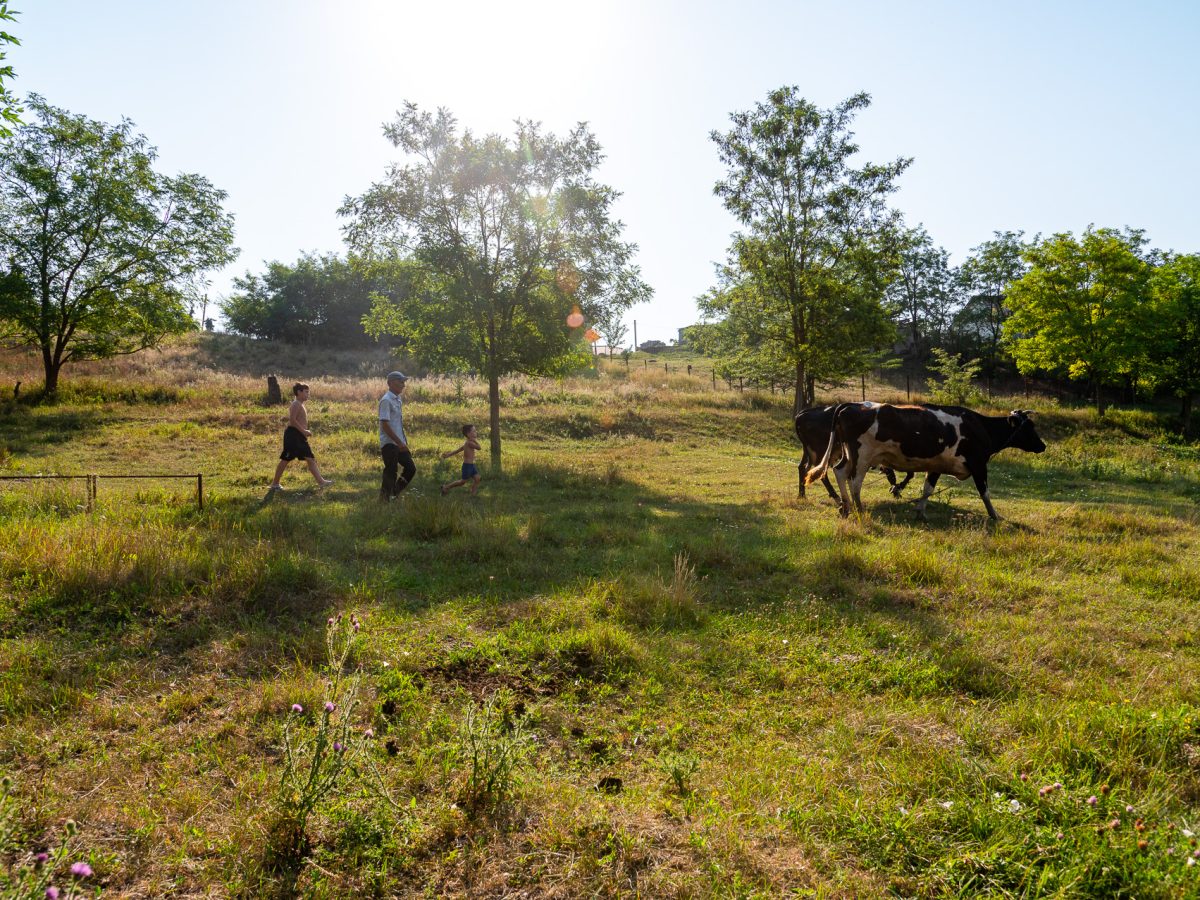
(325,482)
(275,487)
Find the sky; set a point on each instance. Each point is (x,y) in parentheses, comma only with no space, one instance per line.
(1037,116)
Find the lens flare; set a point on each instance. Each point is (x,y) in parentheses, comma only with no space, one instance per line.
(575,319)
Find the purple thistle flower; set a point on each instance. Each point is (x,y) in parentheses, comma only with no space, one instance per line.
(52,893)
(330,706)
(81,870)
(41,858)
(369,733)
(337,747)
(297,708)
(1092,801)
(329,621)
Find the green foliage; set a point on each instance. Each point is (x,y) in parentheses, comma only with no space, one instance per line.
(680,769)
(1079,310)
(10,107)
(804,286)
(954,381)
(1175,297)
(924,291)
(99,247)
(319,299)
(512,234)
(984,277)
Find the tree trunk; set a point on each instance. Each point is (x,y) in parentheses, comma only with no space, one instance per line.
(494,418)
(51,366)
(1185,414)
(800,403)
(1100,404)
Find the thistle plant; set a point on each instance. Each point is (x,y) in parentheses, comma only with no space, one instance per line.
(34,874)
(315,759)
(493,746)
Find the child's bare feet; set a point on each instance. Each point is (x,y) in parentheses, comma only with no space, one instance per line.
(325,482)
(444,492)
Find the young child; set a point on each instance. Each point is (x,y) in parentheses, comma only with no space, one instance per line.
(470,472)
(295,440)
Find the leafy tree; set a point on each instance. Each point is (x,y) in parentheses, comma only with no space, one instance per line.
(924,291)
(10,108)
(1175,293)
(511,233)
(953,379)
(611,324)
(99,247)
(1080,308)
(319,298)
(813,252)
(749,330)
(978,325)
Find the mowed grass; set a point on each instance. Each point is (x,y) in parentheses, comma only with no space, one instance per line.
(794,705)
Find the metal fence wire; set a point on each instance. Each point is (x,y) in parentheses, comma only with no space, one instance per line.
(93,483)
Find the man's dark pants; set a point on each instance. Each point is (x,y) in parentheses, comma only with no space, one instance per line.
(394,458)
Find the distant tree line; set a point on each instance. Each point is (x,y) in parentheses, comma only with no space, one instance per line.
(825,281)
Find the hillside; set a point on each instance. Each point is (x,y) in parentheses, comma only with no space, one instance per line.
(636,665)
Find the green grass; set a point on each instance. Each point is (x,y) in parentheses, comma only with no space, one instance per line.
(794,704)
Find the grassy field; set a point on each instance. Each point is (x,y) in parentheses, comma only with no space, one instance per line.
(635,665)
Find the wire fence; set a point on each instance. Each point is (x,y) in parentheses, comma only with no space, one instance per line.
(93,482)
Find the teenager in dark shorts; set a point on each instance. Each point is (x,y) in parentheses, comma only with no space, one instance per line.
(295,440)
(470,472)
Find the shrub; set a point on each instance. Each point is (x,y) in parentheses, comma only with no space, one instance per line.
(955,385)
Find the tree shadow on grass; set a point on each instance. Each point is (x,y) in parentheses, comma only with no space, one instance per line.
(535,531)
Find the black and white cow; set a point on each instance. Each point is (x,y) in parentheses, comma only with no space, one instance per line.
(813,427)
(937,440)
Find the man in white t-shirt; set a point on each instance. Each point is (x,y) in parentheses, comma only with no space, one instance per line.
(393,445)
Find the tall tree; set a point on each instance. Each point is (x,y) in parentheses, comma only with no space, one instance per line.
(1080,310)
(1175,293)
(99,247)
(923,291)
(813,226)
(984,277)
(513,234)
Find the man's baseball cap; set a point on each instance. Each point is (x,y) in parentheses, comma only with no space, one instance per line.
(397,376)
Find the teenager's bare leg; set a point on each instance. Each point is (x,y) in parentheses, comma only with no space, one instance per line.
(474,485)
(316,472)
(446,488)
(279,469)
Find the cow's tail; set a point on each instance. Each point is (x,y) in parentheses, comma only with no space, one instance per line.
(818,472)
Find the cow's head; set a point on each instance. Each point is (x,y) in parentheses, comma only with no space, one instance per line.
(1024,435)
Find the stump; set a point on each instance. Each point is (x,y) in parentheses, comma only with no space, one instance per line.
(273,393)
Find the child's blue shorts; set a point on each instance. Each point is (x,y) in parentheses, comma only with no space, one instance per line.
(470,470)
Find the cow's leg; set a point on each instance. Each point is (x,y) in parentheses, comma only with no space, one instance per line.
(844,502)
(926,492)
(897,488)
(802,470)
(829,487)
(857,473)
(981,485)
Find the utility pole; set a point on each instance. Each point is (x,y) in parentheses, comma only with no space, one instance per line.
(635,334)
